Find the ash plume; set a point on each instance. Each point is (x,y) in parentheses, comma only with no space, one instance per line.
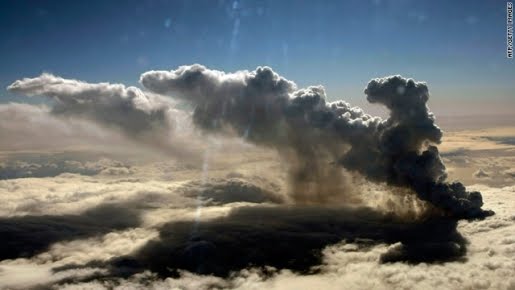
(134,113)
(269,110)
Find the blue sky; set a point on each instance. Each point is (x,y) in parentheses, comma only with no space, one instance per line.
(458,47)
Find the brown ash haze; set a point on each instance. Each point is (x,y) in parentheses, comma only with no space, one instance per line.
(292,192)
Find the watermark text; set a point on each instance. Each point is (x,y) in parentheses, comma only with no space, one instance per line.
(509,30)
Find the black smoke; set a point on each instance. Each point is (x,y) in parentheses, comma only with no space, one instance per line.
(310,132)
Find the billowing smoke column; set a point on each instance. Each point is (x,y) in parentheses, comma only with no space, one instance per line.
(267,109)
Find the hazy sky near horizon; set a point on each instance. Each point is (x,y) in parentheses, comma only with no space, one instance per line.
(459,48)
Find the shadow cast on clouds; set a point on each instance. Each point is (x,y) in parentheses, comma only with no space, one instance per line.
(287,238)
(26,236)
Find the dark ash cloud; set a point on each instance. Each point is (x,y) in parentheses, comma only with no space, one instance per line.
(310,133)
